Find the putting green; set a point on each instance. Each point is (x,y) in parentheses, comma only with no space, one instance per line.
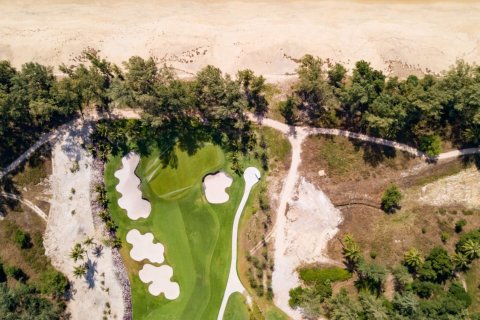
(196,234)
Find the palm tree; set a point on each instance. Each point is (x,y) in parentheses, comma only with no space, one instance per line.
(471,249)
(79,271)
(77,252)
(88,242)
(412,258)
(460,261)
(351,250)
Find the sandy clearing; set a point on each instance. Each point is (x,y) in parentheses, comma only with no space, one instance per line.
(462,188)
(311,221)
(64,229)
(143,247)
(131,199)
(243,34)
(251,175)
(214,186)
(159,280)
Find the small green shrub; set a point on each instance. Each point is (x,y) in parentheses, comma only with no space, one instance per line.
(22,239)
(444,236)
(459,225)
(16,273)
(391,199)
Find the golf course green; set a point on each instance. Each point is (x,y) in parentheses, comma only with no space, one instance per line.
(196,234)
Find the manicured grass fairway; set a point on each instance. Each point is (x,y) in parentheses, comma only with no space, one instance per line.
(196,234)
(236,308)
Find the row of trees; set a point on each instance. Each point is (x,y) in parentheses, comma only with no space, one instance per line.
(422,112)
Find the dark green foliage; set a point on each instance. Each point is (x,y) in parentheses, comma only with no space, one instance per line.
(53,283)
(459,225)
(473,235)
(16,273)
(391,199)
(371,277)
(336,75)
(288,110)
(431,145)
(24,302)
(3,275)
(438,266)
(22,239)
(321,275)
(425,289)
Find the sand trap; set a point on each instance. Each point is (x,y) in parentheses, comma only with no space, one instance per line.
(214,186)
(144,248)
(131,199)
(159,279)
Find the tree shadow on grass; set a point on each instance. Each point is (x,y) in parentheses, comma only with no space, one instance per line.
(471,159)
(374,154)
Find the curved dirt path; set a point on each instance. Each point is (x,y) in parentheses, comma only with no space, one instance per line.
(251,177)
(26,202)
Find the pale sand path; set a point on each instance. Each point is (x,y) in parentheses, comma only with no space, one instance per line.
(242,34)
(251,175)
(159,280)
(214,186)
(143,247)
(26,202)
(64,229)
(128,186)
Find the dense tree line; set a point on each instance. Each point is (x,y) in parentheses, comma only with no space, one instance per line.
(422,112)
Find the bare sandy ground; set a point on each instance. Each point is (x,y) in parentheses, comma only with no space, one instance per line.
(462,188)
(214,186)
(66,227)
(311,221)
(243,34)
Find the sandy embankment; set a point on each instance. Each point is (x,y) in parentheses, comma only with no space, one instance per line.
(244,34)
(66,227)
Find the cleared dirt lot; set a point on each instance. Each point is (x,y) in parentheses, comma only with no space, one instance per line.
(244,34)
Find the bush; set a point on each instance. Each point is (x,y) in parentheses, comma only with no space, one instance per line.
(321,275)
(457,292)
(16,273)
(431,145)
(22,239)
(391,199)
(459,225)
(444,236)
(54,283)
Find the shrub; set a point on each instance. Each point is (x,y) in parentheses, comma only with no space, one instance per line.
(457,292)
(431,145)
(391,199)
(321,275)
(16,273)
(53,282)
(459,225)
(444,236)
(22,239)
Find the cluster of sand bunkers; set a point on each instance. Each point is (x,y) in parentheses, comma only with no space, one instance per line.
(144,246)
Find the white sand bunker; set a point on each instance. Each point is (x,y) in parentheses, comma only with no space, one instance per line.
(131,199)
(144,248)
(159,279)
(214,186)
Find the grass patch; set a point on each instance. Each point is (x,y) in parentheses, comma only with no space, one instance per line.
(440,172)
(472,278)
(312,275)
(196,234)
(237,308)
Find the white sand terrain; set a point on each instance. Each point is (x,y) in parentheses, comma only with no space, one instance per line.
(128,186)
(462,188)
(214,186)
(311,221)
(143,247)
(159,279)
(234,35)
(251,175)
(65,228)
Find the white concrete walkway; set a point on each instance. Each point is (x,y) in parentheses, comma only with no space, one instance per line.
(251,177)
